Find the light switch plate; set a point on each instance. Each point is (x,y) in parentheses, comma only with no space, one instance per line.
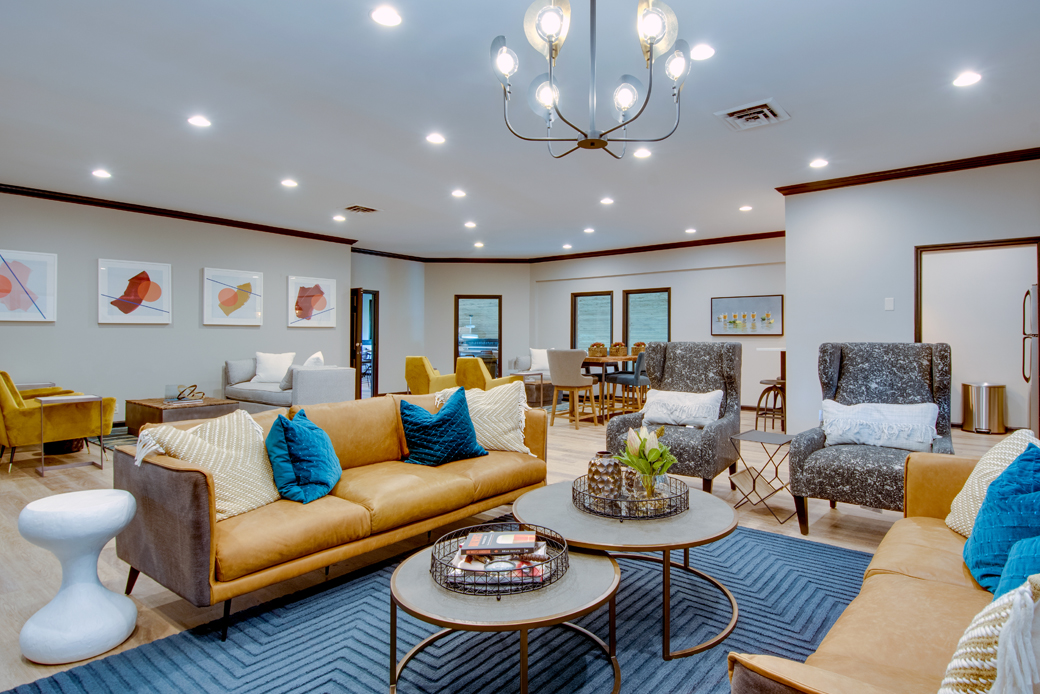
(890,304)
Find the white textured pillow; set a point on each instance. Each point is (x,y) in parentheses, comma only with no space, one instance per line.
(271,368)
(968,501)
(315,360)
(681,409)
(908,427)
(539,360)
(497,414)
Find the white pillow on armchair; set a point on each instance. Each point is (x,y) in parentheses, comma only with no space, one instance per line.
(271,368)
(908,427)
(681,409)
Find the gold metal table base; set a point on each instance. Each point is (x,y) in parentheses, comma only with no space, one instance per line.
(67,399)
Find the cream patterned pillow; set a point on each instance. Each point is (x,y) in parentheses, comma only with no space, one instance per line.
(232,449)
(997,652)
(497,414)
(968,501)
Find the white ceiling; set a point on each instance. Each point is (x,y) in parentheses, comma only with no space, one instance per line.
(316,91)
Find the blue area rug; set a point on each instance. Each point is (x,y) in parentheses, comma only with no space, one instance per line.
(335,637)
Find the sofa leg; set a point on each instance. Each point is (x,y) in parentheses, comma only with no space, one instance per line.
(131,580)
(226,620)
(834,504)
(706,484)
(803,514)
(10,463)
(326,572)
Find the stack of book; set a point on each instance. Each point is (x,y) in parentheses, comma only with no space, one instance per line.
(503,556)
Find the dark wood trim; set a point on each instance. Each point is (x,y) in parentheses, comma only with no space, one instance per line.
(574,314)
(163,212)
(577,256)
(783,319)
(919,252)
(1014,157)
(375,340)
(624,310)
(455,331)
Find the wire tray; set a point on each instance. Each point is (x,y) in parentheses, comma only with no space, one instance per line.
(499,583)
(670,501)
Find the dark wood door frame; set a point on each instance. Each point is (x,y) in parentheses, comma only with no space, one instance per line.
(357,295)
(624,310)
(455,331)
(574,314)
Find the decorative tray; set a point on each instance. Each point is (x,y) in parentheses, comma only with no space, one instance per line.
(671,497)
(515,576)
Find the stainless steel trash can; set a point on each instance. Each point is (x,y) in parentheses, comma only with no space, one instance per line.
(984,407)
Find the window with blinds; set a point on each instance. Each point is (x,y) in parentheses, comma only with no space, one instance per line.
(647,315)
(592,319)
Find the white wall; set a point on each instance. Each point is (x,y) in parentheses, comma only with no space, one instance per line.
(972,299)
(695,275)
(850,248)
(401,287)
(138,361)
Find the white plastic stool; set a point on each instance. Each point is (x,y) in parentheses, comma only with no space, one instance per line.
(84,619)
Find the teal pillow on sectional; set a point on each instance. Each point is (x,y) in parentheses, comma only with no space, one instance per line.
(303,461)
(1023,562)
(1009,513)
(435,439)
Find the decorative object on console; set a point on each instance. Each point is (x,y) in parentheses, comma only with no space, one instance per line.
(312,302)
(747,315)
(303,462)
(181,394)
(28,286)
(604,478)
(435,439)
(314,361)
(497,415)
(677,408)
(133,292)
(546,24)
(271,368)
(232,297)
(908,427)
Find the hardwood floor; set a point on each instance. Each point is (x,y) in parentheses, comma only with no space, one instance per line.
(30,576)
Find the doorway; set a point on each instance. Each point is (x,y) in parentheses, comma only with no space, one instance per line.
(364,341)
(478,330)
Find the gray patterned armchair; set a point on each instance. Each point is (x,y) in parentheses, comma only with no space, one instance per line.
(852,373)
(692,367)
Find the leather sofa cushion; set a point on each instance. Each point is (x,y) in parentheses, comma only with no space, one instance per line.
(285,530)
(923,548)
(900,632)
(263,393)
(362,431)
(397,493)
(498,472)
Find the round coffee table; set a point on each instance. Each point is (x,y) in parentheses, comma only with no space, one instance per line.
(709,519)
(591,580)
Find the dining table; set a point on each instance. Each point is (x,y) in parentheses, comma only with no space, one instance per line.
(603,363)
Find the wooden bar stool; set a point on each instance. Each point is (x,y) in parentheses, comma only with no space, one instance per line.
(565,373)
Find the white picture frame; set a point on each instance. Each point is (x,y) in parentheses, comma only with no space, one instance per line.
(28,287)
(232,297)
(313,307)
(124,296)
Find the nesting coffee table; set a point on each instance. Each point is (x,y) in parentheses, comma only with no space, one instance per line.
(708,519)
(591,581)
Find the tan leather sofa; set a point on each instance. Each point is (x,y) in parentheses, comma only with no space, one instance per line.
(175,539)
(899,634)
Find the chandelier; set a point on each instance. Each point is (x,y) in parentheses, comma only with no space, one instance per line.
(546,24)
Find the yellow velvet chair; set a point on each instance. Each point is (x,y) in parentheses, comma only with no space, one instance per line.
(423,379)
(472,372)
(20,417)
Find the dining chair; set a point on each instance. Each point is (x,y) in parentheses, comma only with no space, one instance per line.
(565,372)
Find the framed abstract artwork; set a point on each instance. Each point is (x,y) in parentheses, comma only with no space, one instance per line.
(747,315)
(28,286)
(312,302)
(232,297)
(134,292)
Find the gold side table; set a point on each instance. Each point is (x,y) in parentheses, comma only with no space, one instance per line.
(64,400)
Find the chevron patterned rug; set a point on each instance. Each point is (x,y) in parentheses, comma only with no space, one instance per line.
(334,637)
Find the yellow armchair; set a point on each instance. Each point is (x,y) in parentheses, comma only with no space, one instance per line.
(20,418)
(423,379)
(472,372)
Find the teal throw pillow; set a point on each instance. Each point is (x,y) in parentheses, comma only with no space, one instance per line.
(1023,562)
(303,461)
(1010,512)
(435,439)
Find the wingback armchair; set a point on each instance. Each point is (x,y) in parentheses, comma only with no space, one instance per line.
(472,372)
(852,373)
(692,367)
(423,379)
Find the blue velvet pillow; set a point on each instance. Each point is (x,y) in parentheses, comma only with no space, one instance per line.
(1023,562)
(435,439)
(1009,513)
(303,461)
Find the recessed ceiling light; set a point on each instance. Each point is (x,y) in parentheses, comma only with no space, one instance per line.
(607,201)
(386,15)
(642,153)
(567,246)
(702,51)
(745,208)
(589,230)
(101,173)
(691,231)
(435,138)
(339,218)
(818,163)
(478,244)
(289,183)
(966,79)
(200,121)
(470,225)
(459,193)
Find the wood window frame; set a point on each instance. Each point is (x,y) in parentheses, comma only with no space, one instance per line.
(455,330)
(574,314)
(624,309)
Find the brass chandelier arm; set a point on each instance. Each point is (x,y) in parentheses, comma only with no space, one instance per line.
(505,115)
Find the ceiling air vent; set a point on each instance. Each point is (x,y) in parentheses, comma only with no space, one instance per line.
(753,115)
(360,209)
